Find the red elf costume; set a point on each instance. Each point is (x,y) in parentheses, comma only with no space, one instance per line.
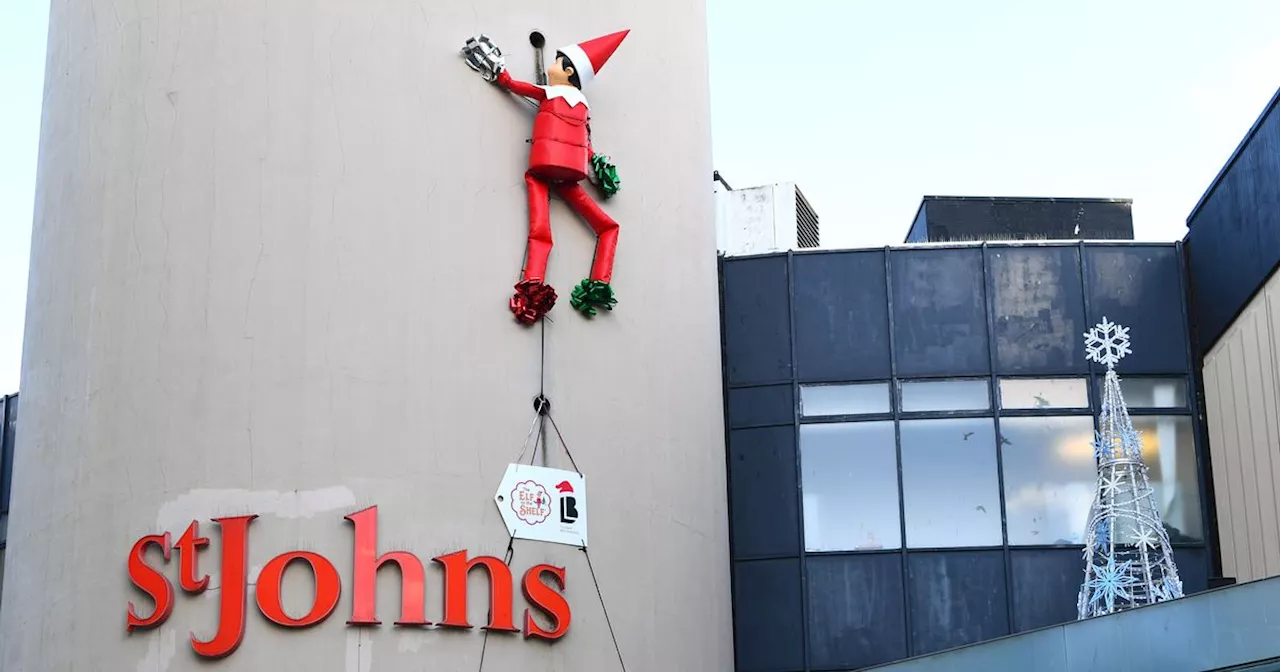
(559,161)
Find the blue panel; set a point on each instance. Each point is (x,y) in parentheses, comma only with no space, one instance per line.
(1234,241)
(1193,569)
(856,611)
(841,315)
(957,598)
(940,319)
(770,405)
(767,616)
(762,492)
(1038,304)
(757,330)
(10,416)
(1045,586)
(1139,286)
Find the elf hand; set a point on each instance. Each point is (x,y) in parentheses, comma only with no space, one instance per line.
(483,56)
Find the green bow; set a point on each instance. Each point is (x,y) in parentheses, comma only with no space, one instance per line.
(606,174)
(591,293)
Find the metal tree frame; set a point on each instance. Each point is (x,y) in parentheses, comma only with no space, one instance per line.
(1128,557)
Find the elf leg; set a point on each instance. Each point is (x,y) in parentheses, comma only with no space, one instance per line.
(594,291)
(533,298)
(535,266)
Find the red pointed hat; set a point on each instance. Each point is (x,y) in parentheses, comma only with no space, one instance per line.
(588,57)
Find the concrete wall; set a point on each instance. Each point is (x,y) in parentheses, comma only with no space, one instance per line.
(1242,399)
(272,251)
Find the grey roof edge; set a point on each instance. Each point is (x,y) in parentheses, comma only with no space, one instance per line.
(1067,242)
(1221,628)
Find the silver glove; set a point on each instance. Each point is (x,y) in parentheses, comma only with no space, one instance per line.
(483,56)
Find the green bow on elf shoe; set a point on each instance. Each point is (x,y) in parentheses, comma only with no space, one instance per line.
(592,294)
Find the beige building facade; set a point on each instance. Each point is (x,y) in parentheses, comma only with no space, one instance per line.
(1242,399)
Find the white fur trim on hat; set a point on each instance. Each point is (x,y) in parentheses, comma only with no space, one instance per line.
(582,65)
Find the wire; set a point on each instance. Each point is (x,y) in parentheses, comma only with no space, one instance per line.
(484,643)
(532,426)
(617,649)
(563,444)
(600,594)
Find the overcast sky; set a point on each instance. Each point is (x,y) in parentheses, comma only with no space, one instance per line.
(869,106)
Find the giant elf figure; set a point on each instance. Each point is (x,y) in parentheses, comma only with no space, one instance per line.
(560,158)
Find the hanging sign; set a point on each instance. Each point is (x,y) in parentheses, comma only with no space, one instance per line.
(542,504)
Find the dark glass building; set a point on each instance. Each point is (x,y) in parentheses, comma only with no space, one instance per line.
(909,440)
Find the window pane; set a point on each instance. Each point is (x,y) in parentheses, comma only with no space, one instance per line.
(1169,449)
(946,395)
(1049,478)
(1152,392)
(816,400)
(949,480)
(850,486)
(1019,393)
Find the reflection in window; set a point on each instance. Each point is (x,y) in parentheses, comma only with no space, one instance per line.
(818,400)
(1024,393)
(946,395)
(1049,477)
(850,486)
(1152,392)
(949,483)
(1169,449)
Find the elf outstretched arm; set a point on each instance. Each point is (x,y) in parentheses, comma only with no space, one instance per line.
(506,81)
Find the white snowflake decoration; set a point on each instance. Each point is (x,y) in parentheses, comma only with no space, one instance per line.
(1127,554)
(1107,343)
(1112,583)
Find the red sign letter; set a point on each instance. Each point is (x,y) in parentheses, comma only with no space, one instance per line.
(328,587)
(235,556)
(456,568)
(364,593)
(546,600)
(151,582)
(188,547)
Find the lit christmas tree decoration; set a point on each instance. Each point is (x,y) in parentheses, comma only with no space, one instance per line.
(1128,558)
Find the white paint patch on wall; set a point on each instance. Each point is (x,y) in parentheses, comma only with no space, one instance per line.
(359,656)
(160,649)
(204,504)
(410,641)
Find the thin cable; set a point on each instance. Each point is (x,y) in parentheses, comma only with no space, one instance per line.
(617,649)
(542,362)
(533,425)
(536,442)
(484,643)
(562,443)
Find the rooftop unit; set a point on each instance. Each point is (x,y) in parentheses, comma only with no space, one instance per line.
(969,218)
(767,218)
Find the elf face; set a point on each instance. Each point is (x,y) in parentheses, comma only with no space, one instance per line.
(558,74)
